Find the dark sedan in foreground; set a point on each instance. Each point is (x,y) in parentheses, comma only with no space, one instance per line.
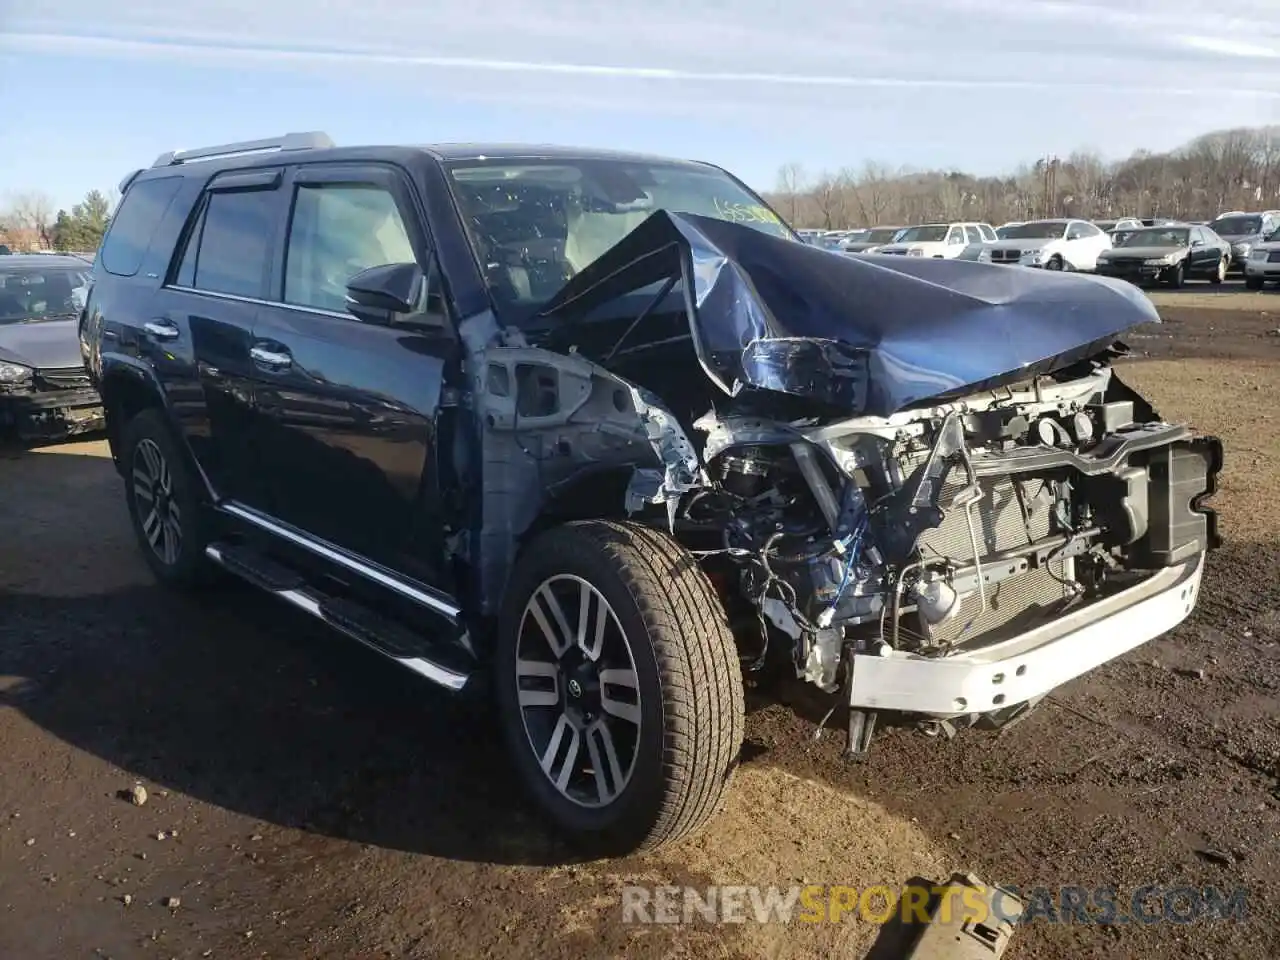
(1167,254)
(44,388)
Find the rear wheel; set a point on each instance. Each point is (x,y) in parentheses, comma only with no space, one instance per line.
(618,684)
(164,504)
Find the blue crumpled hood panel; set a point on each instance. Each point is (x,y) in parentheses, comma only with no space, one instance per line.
(869,334)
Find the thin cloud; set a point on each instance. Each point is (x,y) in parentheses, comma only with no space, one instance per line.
(1231,48)
(65,43)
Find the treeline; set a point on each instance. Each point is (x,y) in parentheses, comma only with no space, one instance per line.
(29,223)
(1226,170)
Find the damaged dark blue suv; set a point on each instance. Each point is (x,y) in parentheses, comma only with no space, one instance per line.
(598,430)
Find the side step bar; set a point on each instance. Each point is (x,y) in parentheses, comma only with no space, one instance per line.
(356,621)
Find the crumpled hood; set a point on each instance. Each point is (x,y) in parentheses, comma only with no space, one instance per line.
(865,334)
(44,343)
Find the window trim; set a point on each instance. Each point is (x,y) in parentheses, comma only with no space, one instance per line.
(337,175)
(288,179)
(114,223)
(225,182)
(364,174)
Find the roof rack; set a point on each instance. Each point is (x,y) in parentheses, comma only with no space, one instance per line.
(290,141)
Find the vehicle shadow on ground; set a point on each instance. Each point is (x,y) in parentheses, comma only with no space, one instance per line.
(235,700)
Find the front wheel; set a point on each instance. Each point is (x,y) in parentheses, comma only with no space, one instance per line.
(618,683)
(1253,283)
(1055,263)
(1177,276)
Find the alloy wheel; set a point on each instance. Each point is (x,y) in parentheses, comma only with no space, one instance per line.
(158,512)
(578,691)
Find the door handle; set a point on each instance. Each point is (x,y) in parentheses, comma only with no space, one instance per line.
(274,359)
(161,329)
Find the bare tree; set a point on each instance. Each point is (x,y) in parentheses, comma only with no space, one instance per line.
(791,183)
(831,193)
(871,193)
(29,214)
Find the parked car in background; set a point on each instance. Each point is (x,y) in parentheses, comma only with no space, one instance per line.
(1052,244)
(1123,223)
(44,388)
(1263,264)
(947,241)
(1169,254)
(1002,230)
(1243,230)
(868,240)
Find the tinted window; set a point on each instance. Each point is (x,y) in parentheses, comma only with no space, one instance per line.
(1035,230)
(336,231)
(232,243)
(988,234)
(1236,226)
(134,224)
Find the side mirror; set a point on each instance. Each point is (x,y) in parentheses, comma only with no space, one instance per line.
(379,294)
(1197,243)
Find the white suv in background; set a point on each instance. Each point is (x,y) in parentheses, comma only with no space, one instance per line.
(948,241)
(1051,244)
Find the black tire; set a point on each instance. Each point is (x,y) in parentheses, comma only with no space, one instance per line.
(1253,283)
(143,437)
(689,689)
(1055,263)
(1177,276)
(1220,273)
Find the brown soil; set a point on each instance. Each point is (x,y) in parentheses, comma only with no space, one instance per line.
(327,805)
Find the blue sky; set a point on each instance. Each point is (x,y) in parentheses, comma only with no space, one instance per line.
(93,90)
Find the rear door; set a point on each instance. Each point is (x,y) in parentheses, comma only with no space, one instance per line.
(201,325)
(350,407)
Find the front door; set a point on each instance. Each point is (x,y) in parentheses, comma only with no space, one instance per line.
(350,409)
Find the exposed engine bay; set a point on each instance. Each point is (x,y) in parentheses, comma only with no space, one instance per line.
(950,527)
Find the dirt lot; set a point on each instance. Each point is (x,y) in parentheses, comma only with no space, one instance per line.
(308,800)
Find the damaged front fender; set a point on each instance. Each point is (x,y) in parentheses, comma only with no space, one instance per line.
(548,421)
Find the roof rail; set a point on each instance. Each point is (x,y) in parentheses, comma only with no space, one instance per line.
(290,141)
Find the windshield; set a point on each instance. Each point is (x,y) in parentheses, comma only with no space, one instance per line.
(1236,226)
(1154,238)
(534,224)
(929,233)
(40,293)
(1037,230)
(881,235)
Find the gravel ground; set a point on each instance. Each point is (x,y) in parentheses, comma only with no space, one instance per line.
(306,799)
